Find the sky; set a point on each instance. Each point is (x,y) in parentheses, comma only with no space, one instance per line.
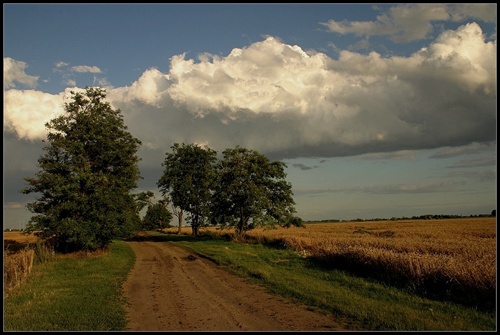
(377,110)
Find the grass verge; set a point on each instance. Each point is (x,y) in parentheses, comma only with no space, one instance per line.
(72,294)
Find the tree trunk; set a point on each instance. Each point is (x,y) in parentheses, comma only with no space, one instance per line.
(195,230)
(179,216)
(241,224)
(194,225)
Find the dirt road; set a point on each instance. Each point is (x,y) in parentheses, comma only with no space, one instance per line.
(170,289)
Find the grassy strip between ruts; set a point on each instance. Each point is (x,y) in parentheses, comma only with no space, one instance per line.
(72,293)
(85,293)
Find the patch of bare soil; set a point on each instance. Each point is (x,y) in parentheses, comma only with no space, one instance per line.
(172,289)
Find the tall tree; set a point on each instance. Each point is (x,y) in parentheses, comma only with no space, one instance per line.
(252,191)
(158,216)
(188,176)
(86,176)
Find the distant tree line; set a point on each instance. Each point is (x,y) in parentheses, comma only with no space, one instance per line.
(420,217)
(90,168)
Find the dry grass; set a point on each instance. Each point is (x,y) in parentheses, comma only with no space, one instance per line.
(18,258)
(448,257)
(17,266)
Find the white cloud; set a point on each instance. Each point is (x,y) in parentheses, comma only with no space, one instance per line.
(282,101)
(13,71)
(67,75)
(148,89)
(411,22)
(69,82)
(61,64)
(26,112)
(86,69)
(266,77)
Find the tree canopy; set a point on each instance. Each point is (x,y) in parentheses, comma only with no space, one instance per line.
(158,216)
(252,191)
(244,189)
(86,176)
(188,177)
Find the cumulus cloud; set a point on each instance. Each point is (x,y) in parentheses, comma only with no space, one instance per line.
(59,65)
(411,22)
(13,71)
(285,102)
(26,112)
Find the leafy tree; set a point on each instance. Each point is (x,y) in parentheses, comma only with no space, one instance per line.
(188,176)
(143,199)
(252,191)
(157,216)
(86,175)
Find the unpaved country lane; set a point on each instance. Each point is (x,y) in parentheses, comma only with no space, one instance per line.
(170,289)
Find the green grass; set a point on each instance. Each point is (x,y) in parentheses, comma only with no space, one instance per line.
(72,294)
(85,294)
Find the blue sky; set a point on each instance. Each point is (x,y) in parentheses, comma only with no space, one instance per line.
(377,110)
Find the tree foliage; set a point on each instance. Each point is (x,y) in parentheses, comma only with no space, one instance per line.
(86,175)
(143,199)
(188,176)
(252,191)
(158,216)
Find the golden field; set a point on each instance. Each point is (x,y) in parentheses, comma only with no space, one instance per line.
(19,237)
(462,249)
